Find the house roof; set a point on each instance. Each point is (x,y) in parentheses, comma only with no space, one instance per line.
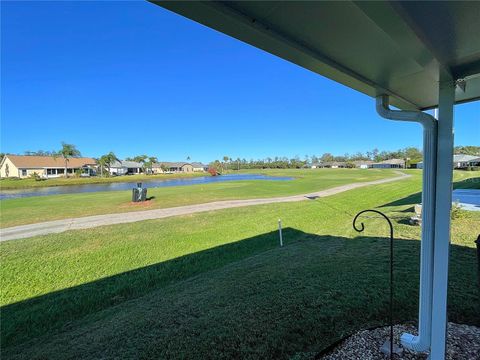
(170,164)
(464,158)
(358,162)
(398,48)
(198,165)
(392,161)
(32,161)
(125,164)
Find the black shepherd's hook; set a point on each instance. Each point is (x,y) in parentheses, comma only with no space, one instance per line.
(391,266)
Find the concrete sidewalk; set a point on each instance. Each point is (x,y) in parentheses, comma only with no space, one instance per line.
(58,226)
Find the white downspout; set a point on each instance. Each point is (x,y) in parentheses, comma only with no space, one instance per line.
(429,123)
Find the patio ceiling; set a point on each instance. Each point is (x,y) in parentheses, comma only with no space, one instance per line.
(381,47)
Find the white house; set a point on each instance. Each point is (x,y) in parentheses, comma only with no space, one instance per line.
(464,161)
(331,164)
(460,161)
(390,164)
(172,167)
(124,167)
(363,164)
(199,167)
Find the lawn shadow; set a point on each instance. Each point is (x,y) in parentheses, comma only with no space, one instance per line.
(352,272)
(34,316)
(471,183)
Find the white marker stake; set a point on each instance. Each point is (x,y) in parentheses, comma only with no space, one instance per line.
(280,231)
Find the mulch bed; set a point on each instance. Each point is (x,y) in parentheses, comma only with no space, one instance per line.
(463,343)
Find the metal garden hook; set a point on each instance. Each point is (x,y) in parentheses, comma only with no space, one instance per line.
(360,229)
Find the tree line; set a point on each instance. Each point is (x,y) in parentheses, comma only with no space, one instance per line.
(467,150)
(411,154)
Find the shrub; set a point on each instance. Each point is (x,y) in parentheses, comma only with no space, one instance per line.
(212,171)
(36,176)
(456,212)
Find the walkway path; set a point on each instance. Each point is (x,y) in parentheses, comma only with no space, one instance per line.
(58,226)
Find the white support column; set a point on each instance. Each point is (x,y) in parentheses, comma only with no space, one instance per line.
(442,217)
(422,341)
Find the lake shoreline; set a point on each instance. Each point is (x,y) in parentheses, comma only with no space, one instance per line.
(128,184)
(17,184)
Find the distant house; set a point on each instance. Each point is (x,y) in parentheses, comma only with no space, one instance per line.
(23,166)
(390,164)
(124,167)
(413,164)
(334,164)
(475,162)
(464,161)
(199,167)
(363,164)
(460,161)
(172,167)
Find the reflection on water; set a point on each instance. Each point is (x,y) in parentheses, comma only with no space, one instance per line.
(128,185)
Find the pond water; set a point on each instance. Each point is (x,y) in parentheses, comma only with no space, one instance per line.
(468,199)
(128,185)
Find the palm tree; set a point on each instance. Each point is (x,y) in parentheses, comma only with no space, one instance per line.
(188,158)
(66,152)
(142,159)
(149,163)
(101,164)
(225,159)
(106,161)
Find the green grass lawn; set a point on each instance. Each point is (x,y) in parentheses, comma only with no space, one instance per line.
(43,208)
(217,284)
(15,183)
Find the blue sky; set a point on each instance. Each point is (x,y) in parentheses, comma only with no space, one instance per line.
(133,78)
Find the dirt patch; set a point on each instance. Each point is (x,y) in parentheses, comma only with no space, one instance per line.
(142,204)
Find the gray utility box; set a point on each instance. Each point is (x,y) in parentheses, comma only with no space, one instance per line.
(139,194)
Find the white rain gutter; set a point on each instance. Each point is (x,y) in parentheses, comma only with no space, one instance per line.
(429,123)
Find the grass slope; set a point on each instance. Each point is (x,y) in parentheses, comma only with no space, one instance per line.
(43,208)
(216,285)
